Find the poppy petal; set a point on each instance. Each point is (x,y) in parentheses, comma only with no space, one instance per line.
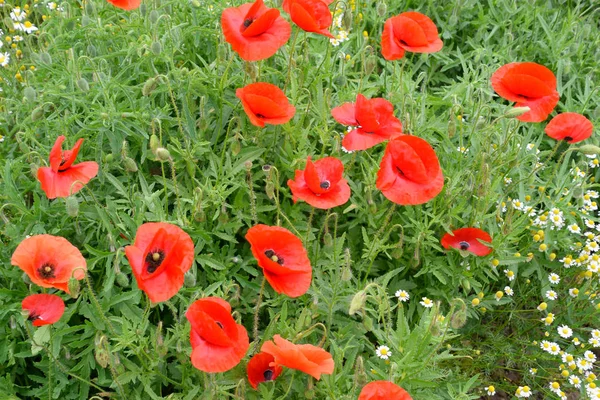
(44,309)
(65,183)
(365,114)
(311,16)
(260,370)
(409,31)
(383,390)
(126,4)
(265,104)
(468,239)
(210,358)
(307,358)
(56,153)
(571,127)
(345,114)
(262,23)
(213,323)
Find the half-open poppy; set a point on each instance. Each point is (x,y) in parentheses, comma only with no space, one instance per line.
(286,4)
(409,31)
(265,104)
(374,121)
(62,178)
(126,4)
(467,239)
(262,368)
(44,309)
(409,172)
(218,342)
(282,257)
(530,85)
(321,184)
(160,256)
(383,390)
(311,16)
(570,127)
(255,31)
(307,358)
(49,261)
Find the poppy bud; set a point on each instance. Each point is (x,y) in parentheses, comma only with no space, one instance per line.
(381,9)
(72,206)
(347,19)
(37,113)
(451,126)
(153,17)
(340,80)
(516,112)
(149,86)
(480,122)
(74,287)
(459,317)
(85,20)
(8,22)
(89,7)
(221,52)
(346,273)
(327,239)
(91,50)
(360,376)
(358,302)
(33,167)
(30,94)
(251,69)
(26,279)
(83,84)
(189,279)
(156,48)
(370,64)
(154,143)
(368,323)
(163,154)
(589,149)
(190,167)
(108,158)
(270,189)
(143,9)
(236,147)
(101,356)
(122,280)
(23,147)
(130,165)
(45,58)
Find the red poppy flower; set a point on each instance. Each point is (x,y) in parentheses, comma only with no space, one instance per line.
(126,4)
(570,127)
(218,343)
(262,368)
(383,390)
(311,15)
(49,261)
(466,239)
(307,358)
(409,31)
(254,31)
(44,309)
(374,121)
(530,85)
(62,178)
(265,104)
(321,184)
(282,257)
(286,4)
(160,256)
(409,172)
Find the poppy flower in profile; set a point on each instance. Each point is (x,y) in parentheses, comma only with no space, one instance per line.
(409,31)
(307,358)
(62,178)
(466,239)
(126,4)
(286,4)
(160,256)
(570,127)
(383,390)
(530,85)
(49,261)
(374,121)
(265,104)
(321,184)
(262,368)
(255,31)
(311,15)
(44,309)
(409,172)
(282,258)
(218,342)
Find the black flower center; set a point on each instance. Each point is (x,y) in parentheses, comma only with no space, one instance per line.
(260,116)
(154,259)
(325,185)
(274,257)
(248,22)
(464,245)
(268,374)
(219,324)
(46,271)
(399,171)
(568,139)
(33,317)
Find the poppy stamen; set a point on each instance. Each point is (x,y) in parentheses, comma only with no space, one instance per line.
(274,257)
(268,375)
(46,271)
(464,245)
(154,259)
(325,185)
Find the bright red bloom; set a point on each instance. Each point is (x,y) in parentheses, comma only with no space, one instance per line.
(254,31)
(265,104)
(159,258)
(374,121)
(49,261)
(126,4)
(383,390)
(409,172)
(44,309)
(307,358)
(570,127)
(466,239)
(62,178)
(530,85)
(282,257)
(286,4)
(409,31)
(321,184)
(262,368)
(311,15)
(218,342)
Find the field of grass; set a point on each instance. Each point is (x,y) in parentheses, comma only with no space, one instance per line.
(152,91)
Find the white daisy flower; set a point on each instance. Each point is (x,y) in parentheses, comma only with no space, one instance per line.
(4,59)
(575,381)
(402,295)
(554,349)
(427,303)
(574,228)
(565,332)
(573,292)
(523,392)
(551,295)
(584,364)
(554,278)
(509,274)
(591,357)
(383,352)
(508,290)
(530,146)
(491,390)
(518,204)
(507,180)
(594,342)
(17,14)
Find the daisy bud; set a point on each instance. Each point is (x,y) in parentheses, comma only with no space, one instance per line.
(156,48)
(358,302)
(72,206)
(381,9)
(91,50)
(589,149)
(74,287)
(30,94)
(153,17)
(189,279)
(122,280)
(37,113)
(83,84)
(45,58)
(130,165)
(163,154)
(516,112)
(108,158)
(149,86)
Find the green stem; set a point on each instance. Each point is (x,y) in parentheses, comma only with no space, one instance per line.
(98,307)
(256,310)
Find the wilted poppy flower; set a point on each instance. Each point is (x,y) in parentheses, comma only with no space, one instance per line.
(321,184)
(262,368)
(311,15)
(282,257)
(160,256)
(307,358)
(409,31)
(254,31)
(383,390)
(530,85)
(49,261)
(62,178)
(44,309)
(265,104)
(409,172)
(374,121)
(466,239)
(570,127)
(126,4)
(218,343)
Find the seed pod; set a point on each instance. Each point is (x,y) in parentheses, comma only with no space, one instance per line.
(74,288)
(91,50)
(30,94)
(72,206)
(130,165)
(45,58)
(83,84)
(358,302)
(108,158)
(163,154)
(149,86)
(37,113)
(153,17)
(122,280)
(156,48)
(248,165)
